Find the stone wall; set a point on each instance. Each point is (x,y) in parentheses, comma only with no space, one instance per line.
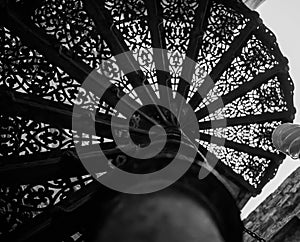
(289,233)
(277,210)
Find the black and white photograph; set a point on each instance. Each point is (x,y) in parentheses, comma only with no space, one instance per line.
(149,121)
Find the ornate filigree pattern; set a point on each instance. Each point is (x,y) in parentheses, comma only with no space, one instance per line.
(268,98)
(19,203)
(224,25)
(25,70)
(179,18)
(67,22)
(254,135)
(22,137)
(70,25)
(178,21)
(251,167)
(130,18)
(73,33)
(255,59)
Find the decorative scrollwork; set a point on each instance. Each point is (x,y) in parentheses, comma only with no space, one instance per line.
(71,29)
(255,59)
(23,137)
(179,18)
(131,19)
(20,203)
(224,25)
(268,98)
(70,25)
(178,21)
(254,135)
(250,167)
(67,21)
(25,70)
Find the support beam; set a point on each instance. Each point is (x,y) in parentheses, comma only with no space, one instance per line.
(32,36)
(155,23)
(247,120)
(239,92)
(58,114)
(44,166)
(195,42)
(234,49)
(29,169)
(242,147)
(115,40)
